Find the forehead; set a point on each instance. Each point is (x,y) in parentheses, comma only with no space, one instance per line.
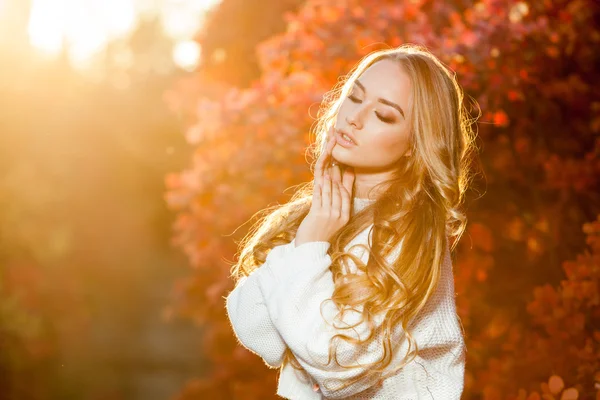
(387,79)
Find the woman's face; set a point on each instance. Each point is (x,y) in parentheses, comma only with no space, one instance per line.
(376,113)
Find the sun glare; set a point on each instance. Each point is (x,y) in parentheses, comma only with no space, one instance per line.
(186,55)
(181,19)
(45,27)
(83,28)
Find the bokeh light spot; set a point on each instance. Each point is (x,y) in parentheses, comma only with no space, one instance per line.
(186,55)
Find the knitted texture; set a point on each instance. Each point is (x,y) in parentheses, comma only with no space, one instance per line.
(278,306)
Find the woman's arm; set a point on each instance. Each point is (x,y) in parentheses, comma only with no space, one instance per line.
(293,288)
(250,318)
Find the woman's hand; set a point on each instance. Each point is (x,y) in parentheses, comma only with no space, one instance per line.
(331,203)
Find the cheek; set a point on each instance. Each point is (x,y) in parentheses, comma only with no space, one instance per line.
(392,143)
(343,109)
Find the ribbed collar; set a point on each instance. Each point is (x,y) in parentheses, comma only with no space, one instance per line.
(359,204)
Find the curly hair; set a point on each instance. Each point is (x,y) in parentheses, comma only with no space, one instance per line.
(420,209)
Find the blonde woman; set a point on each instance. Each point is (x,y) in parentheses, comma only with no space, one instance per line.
(348,288)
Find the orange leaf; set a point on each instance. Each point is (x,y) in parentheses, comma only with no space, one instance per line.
(514,95)
(500,118)
(556,384)
(570,394)
(534,396)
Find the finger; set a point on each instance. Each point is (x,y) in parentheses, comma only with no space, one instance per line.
(319,170)
(327,155)
(330,141)
(322,162)
(336,173)
(317,197)
(346,203)
(326,192)
(320,165)
(327,158)
(348,180)
(335,169)
(329,148)
(330,133)
(336,199)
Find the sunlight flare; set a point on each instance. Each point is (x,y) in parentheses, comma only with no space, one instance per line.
(83,28)
(45,26)
(186,55)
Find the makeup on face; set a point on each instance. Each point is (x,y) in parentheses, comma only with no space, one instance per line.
(342,141)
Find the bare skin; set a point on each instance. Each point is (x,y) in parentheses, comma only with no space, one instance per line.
(376,114)
(381,131)
(331,203)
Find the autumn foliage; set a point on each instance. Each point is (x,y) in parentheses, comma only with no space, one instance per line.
(527,274)
(39,308)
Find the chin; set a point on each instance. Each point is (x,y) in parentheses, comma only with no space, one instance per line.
(345,164)
(340,157)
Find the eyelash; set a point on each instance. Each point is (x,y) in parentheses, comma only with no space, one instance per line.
(386,120)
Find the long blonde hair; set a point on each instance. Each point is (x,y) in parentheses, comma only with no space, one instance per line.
(420,209)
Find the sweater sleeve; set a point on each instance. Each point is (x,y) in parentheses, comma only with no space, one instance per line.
(250,318)
(293,288)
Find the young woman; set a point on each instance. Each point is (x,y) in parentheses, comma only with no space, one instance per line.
(348,288)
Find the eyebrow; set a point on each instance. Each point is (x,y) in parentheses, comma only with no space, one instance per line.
(384,101)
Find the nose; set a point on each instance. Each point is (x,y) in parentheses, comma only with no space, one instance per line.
(354,118)
(353,121)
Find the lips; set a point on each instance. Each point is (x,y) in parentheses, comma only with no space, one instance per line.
(351,136)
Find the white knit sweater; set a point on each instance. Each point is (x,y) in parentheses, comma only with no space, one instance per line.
(278,306)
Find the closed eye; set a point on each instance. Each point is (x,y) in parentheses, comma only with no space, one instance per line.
(382,119)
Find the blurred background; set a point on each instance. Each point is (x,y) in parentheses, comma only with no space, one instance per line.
(138,138)
(85,141)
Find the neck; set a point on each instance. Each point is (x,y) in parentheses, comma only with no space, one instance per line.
(365,183)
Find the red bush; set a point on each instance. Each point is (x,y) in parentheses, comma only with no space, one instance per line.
(532,68)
